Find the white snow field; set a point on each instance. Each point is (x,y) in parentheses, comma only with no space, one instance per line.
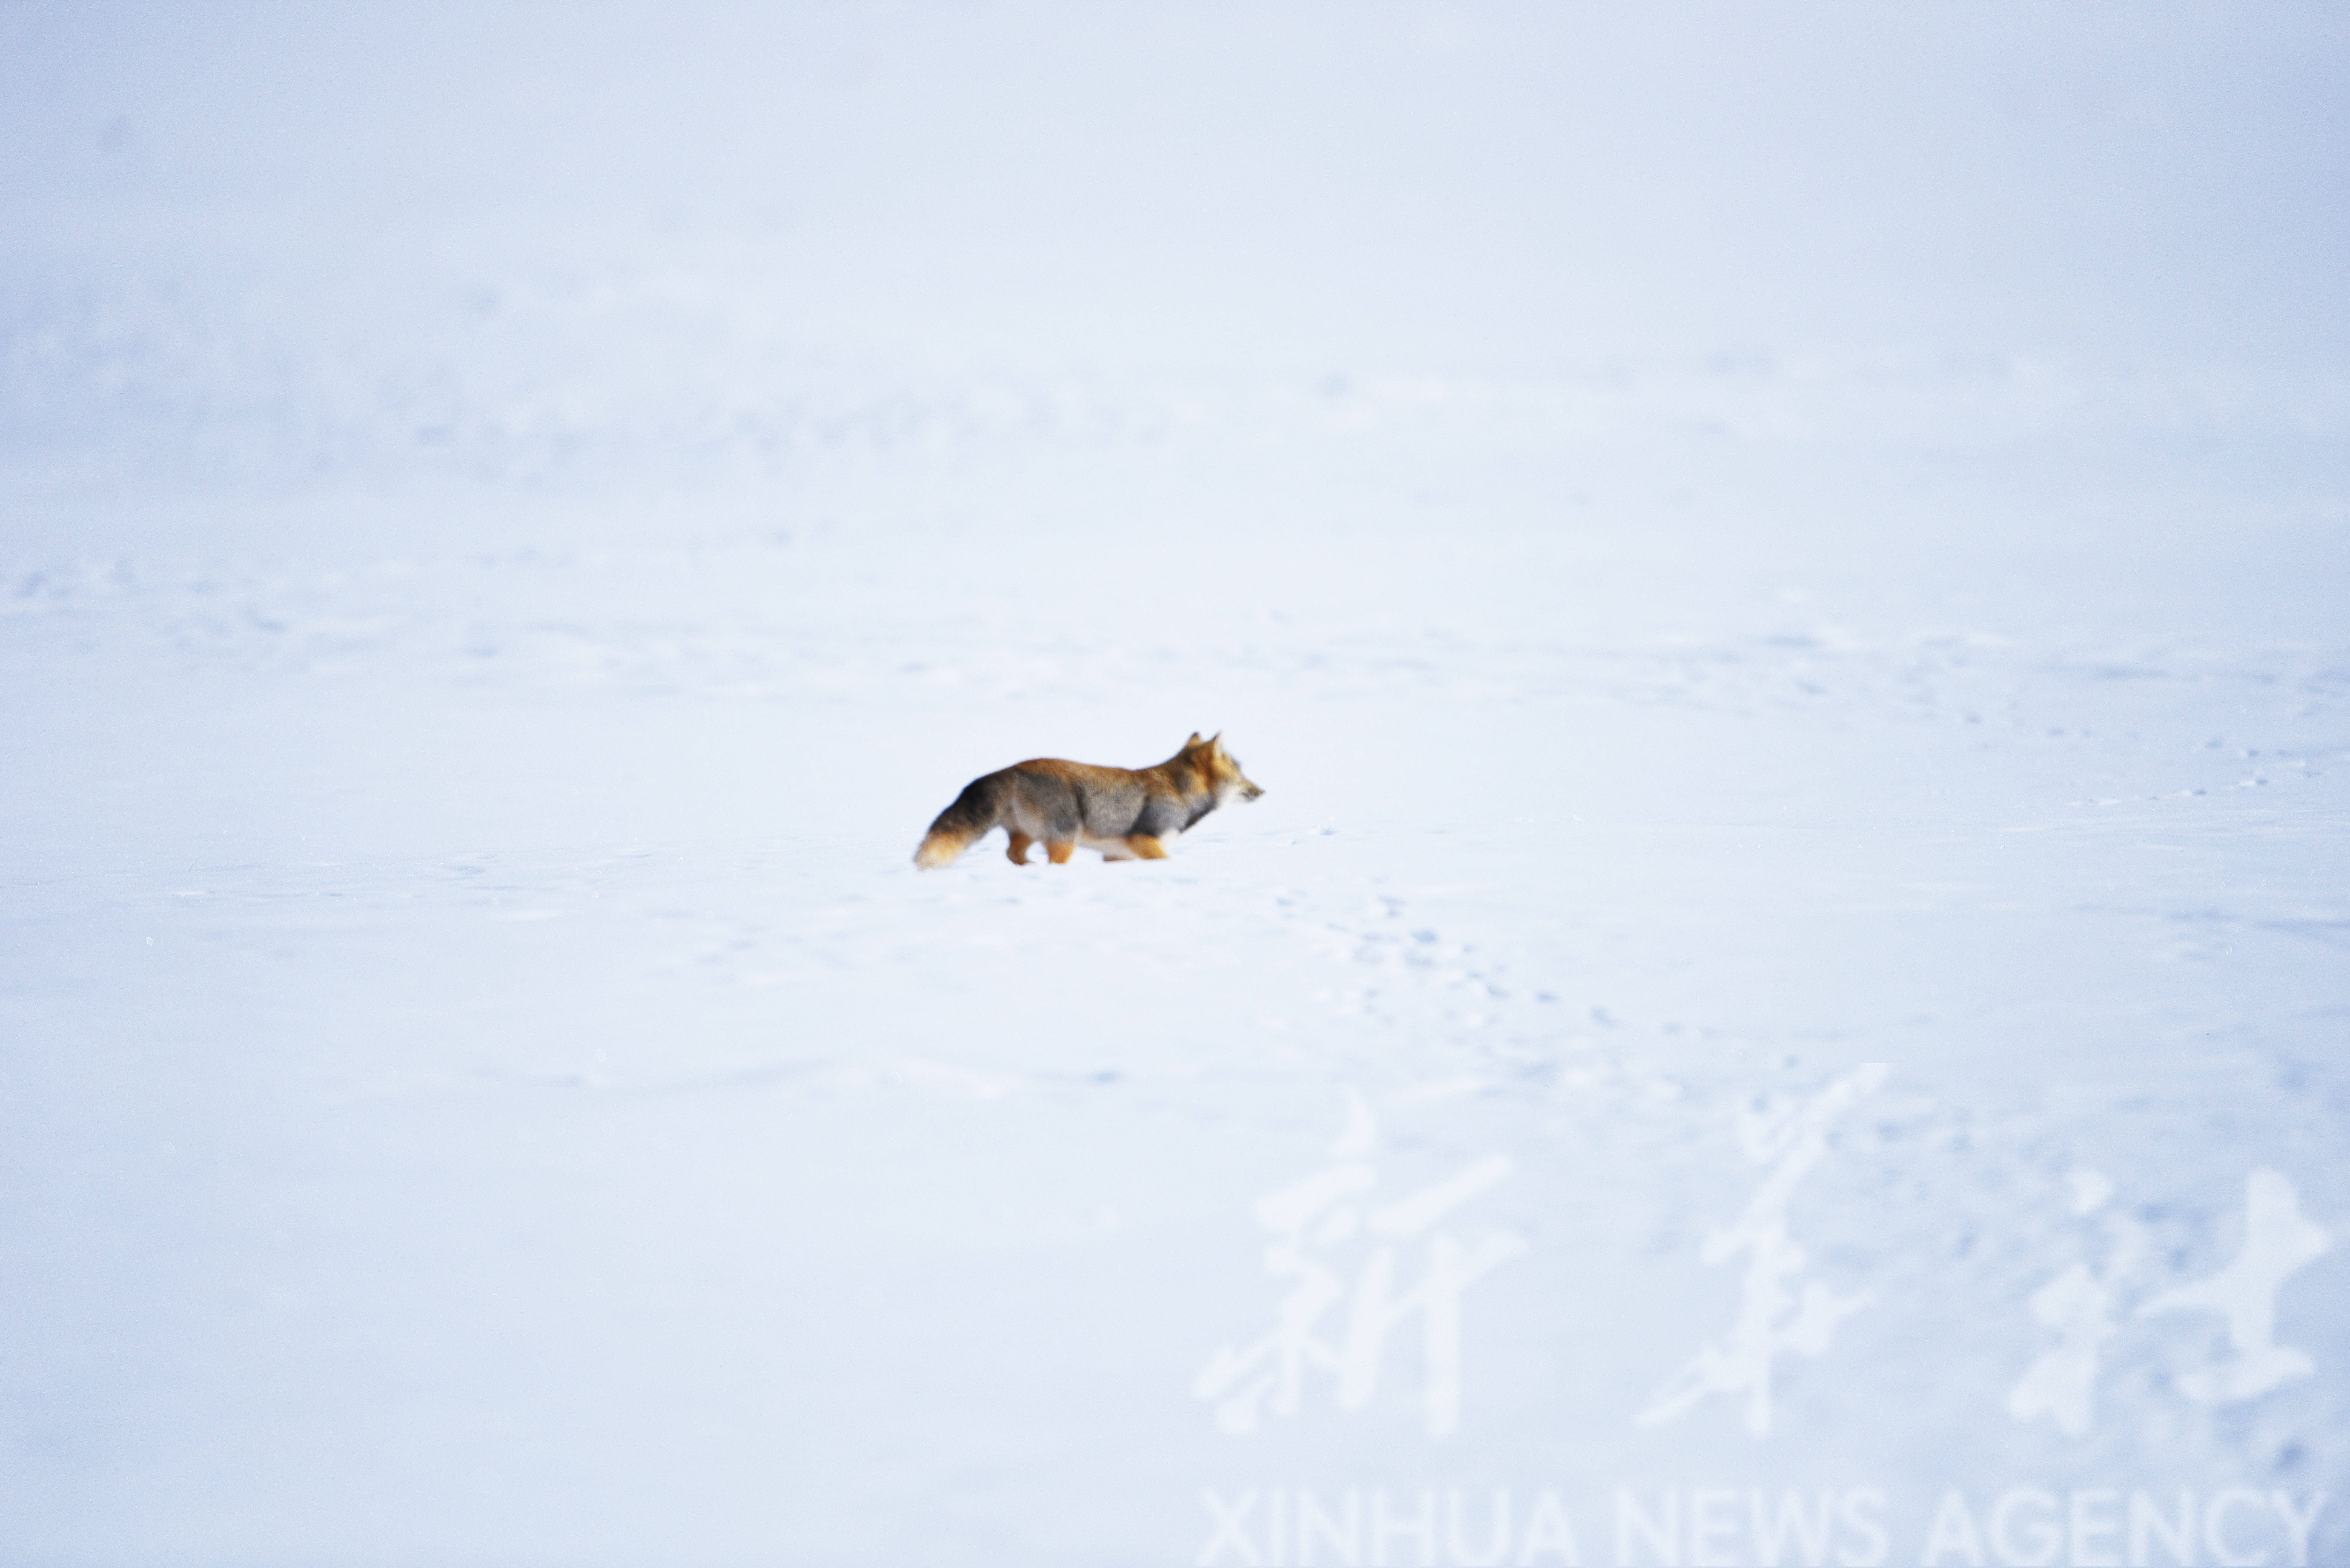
(1784,569)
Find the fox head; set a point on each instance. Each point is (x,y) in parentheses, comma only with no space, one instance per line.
(1219,767)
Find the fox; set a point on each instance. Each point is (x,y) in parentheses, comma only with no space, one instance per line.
(1128,814)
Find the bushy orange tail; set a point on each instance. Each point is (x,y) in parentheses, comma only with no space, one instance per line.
(973,813)
(940,848)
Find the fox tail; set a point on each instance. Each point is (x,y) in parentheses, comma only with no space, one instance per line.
(973,813)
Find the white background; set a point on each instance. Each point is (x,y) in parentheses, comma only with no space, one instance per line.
(1741,541)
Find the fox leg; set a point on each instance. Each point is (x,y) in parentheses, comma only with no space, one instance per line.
(1059,850)
(1019,850)
(1146,847)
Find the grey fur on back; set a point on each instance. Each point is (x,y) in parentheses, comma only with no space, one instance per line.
(1111,804)
(1050,804)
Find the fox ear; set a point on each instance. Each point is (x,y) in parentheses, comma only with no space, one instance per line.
(1192,742)
(1216,740)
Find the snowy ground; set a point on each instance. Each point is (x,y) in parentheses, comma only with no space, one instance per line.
(1783,575)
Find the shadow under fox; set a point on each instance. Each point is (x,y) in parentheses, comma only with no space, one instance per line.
(1128,814)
